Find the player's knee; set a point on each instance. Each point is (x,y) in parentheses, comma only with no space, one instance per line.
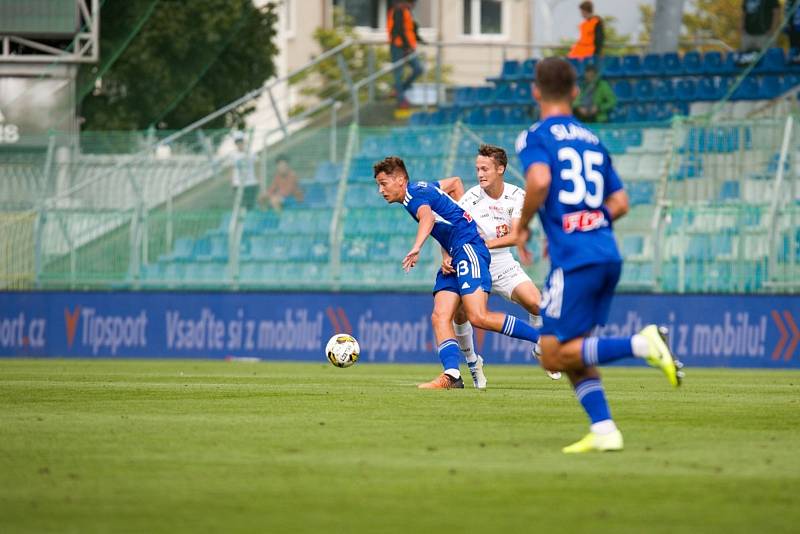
(439,318)
(478,318)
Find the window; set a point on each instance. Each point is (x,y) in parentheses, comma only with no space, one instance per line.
(365,13)
(483,17)
(372,13)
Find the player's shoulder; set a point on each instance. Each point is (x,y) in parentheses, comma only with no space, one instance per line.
(513,192)
(524,137)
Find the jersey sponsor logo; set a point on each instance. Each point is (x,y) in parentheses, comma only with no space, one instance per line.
(467,216)
(502,230)
(583,221)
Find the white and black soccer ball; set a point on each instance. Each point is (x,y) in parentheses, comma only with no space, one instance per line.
(342,350)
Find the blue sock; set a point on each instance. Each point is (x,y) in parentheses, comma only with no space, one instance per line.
(592,397)
(519,329)
(600,350)
(449,354)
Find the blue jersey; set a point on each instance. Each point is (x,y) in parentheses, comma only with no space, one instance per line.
(574,220)
(453,227)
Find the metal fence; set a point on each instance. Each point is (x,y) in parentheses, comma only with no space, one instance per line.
(714,209)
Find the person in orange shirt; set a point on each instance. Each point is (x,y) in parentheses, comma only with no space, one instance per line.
(590,42)
(403,39)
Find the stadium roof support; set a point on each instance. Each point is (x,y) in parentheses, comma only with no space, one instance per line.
(666,26)
(83,47)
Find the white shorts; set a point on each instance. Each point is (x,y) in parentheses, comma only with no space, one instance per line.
(506,276)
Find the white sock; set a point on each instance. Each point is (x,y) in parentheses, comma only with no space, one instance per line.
(639,346)
(536,320)
(455,373)
(464,337)
(603,428)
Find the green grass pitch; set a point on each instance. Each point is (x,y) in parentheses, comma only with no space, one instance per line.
(188,446)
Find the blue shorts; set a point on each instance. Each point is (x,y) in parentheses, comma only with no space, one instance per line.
(471,263)
(574,302)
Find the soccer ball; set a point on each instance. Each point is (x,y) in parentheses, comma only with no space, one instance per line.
(342,350)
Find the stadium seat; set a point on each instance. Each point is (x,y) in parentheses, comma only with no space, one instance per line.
(511,68)
(632,65)
(770,87)
(671,64)
(496,116)
(748,89)
(651,65)
(693,63)
(772,62)
(503,93)
(527,70)
(476,117)
(686,90)
(611,67)
(663,90)
(713,63)
(624,91)
(644,90)
(522,94)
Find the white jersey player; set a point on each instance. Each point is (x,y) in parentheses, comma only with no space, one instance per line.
(496,208)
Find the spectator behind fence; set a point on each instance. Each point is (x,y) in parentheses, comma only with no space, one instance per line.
(244,172)
(403,39)
(793,31)
(284,189)
(592,35)
(596,98)
(759,21)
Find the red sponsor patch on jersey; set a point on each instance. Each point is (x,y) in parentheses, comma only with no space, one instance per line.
(467,216)
(502,230)
(583,221)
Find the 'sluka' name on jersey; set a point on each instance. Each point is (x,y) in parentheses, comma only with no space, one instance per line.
(453,227)
(583,176)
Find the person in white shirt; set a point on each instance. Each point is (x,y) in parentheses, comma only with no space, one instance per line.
(496,207)
(244,173)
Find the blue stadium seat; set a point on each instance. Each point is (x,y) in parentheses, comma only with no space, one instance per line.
(496,116)
(790,81)
(693,63)
(699,247)
(641,192)
(651,65)
(476,117)
(623,90)
(503,93)
(748,90)
(578,64)
(773,62)
(632,65)
(707,90)
(517,115)
(484,95)
(327,172)
(611,67)
(527,70)
(522,94)
(713,63)
(671,64)
(182,249)
(632,245)
(686,90)
(664,91)
(644,90)
(510,70)
(770,87)
(619,114)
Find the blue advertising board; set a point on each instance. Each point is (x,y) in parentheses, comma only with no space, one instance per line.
(706,330)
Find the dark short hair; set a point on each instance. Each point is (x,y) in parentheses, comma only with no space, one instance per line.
(586,6)
(282,157)
(390,165)
(496,153)
(555,78)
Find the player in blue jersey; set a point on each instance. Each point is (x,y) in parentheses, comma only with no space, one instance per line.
(440,216)
(572,184)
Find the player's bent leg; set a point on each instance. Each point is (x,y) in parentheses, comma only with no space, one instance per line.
(480,316)
(528,296)
(658,354)
(444,309)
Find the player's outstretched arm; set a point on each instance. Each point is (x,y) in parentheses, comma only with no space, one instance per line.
(453,186)
(537,183)
(426,221)
(617,204)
